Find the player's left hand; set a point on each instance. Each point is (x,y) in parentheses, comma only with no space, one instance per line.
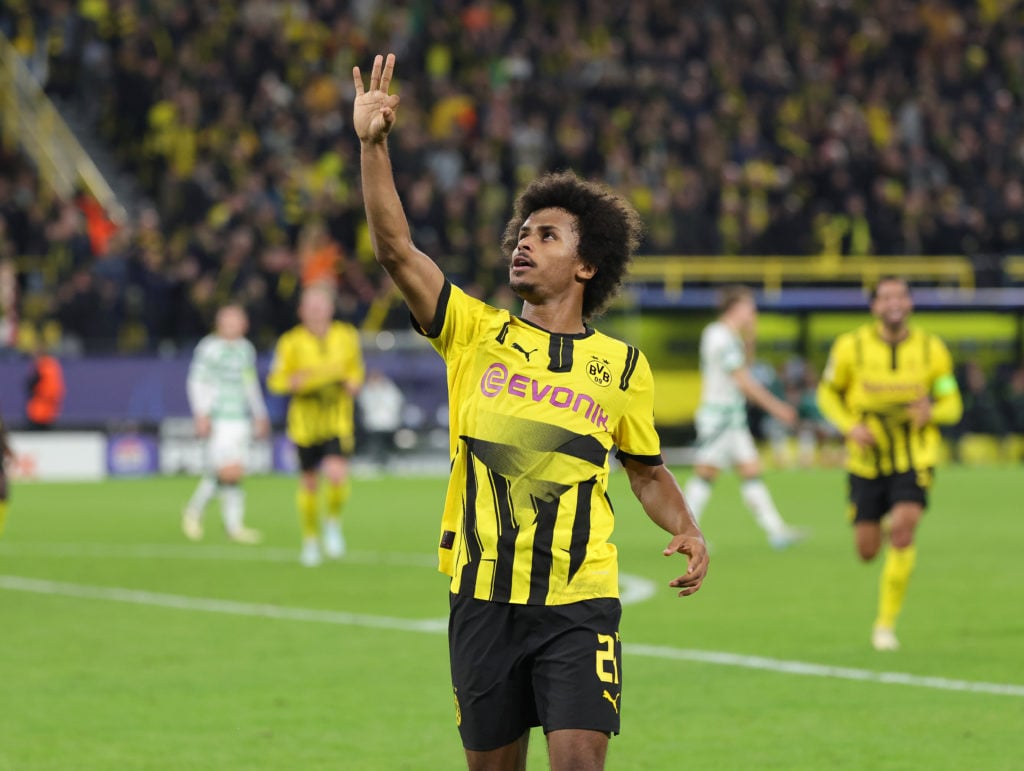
(261,427)
(373,111)
(920,412)
(696,552)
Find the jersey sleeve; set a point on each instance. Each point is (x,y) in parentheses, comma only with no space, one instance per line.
(455,323)
(835,380)
(251,384)
(282,366)
(727,353)
(356,370)
(947,406)
(635,434)
(199,385)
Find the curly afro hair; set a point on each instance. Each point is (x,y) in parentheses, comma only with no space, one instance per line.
(608,228)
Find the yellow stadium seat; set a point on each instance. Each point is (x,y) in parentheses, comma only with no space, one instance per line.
(979,450)
(1013,448)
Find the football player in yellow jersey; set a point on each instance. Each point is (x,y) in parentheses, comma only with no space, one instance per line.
(887,387)
(320,364)
(537,402)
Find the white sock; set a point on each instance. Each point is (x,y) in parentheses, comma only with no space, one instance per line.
(697,493)
(759,501)
(232,507)
(204,492)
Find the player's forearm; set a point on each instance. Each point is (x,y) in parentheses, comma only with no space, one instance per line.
(830,402)
(663,502)
(253,395)
(757,393)
(389,228)
(948,409)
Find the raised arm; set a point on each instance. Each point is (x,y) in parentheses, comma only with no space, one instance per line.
(373,115)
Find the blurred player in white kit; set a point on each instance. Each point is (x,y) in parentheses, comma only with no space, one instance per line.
(228,409)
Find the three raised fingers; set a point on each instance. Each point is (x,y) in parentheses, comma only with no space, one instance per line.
(380,75)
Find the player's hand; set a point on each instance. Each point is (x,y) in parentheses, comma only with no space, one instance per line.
(786,413)
(202,426)
(861,435)
(261,428)
(298,379)
(920,412)
(696,552)
(373,112)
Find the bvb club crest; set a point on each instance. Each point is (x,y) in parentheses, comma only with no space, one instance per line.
(598,371)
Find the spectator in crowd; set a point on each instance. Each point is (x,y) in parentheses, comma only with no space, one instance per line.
(45,387)
(983,412)
(380,404)
(1013,401)
(780,128)
(6,454)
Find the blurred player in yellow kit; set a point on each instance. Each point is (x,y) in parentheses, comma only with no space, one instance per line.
(887,387)
(319,363)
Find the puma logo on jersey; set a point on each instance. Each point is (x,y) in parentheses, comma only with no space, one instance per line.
(613,699)
(526,353)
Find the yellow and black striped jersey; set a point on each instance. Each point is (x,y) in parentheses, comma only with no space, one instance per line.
(533,417)
(870,380)
(322,408)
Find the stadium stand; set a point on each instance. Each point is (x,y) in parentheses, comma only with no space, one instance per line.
(794,128)
(854,141)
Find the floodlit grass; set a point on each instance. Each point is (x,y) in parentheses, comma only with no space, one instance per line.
(292,668)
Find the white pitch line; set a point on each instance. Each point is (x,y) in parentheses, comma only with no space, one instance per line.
(438,626)
(723,658)
(199,552)
(231,607)
(632,589)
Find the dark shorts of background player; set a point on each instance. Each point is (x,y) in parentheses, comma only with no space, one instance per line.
(517,666)
(872,499)
(311,455)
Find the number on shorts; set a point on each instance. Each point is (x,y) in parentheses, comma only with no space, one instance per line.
(604,656)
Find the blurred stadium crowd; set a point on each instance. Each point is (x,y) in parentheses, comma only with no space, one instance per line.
(741,127)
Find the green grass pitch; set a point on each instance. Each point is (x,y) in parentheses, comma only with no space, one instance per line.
(122,646)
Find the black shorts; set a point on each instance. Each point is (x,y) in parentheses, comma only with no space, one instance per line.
(517,666)
(310,455)
(872,499)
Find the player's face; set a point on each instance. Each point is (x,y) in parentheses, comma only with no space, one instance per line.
(545,261)
(232,323)
(746,314)
(316,309)
(892,304)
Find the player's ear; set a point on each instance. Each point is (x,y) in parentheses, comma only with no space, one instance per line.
(584,271)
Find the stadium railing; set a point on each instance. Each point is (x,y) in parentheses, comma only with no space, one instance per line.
(28,117)
(772,273)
